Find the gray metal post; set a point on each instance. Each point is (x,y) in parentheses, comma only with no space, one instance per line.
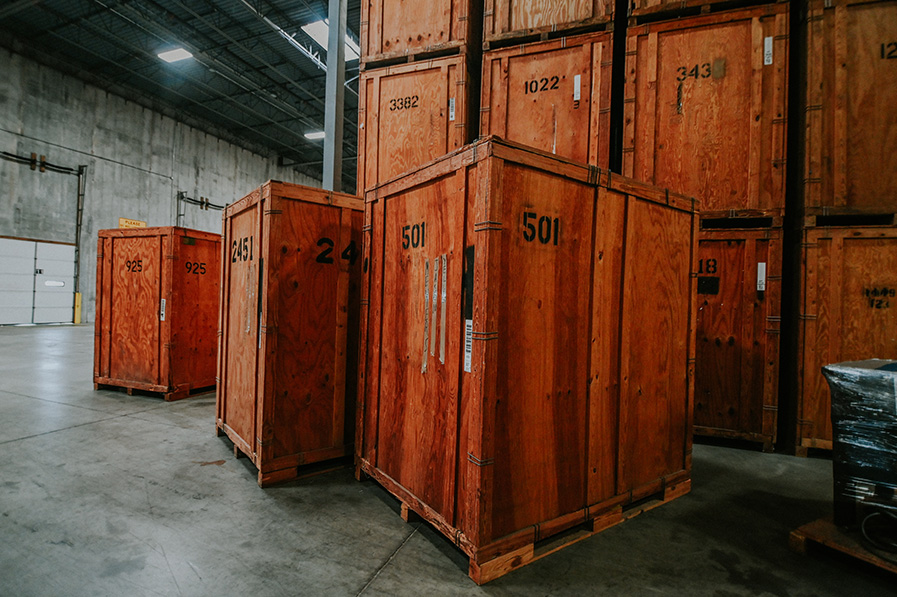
(335,90)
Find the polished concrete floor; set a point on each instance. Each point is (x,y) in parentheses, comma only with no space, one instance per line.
(102,493)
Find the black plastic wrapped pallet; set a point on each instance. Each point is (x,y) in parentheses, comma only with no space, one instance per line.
(864,422)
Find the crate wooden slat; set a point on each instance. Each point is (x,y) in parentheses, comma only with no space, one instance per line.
(851,135)
(553,95)
(706,104)
(644,9)
(157,299)
(529,362)
(393,29)
(289,327)
(738,331)
(411,114)
(838,321)
(507,20)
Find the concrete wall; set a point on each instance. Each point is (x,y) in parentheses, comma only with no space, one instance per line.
(137,160)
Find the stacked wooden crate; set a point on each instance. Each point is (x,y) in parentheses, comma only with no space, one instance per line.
(527,357)
(705,114)
(848,252)
(418,86)
(288,343)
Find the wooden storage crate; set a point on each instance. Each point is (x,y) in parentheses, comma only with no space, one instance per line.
(529,357)
(705,107)
(289,327)
(157,299)
(509,20)
(848,312)
(392,29)
(851,133)
(554,96)
(738,329)
(411,114)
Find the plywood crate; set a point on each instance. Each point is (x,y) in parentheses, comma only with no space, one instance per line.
(553,95)
(705,107)
(509,20)
(157,300)
(392,29)
(411,114)
(848,312)
(289,327)
(738,329)
(529,358)
(851,133)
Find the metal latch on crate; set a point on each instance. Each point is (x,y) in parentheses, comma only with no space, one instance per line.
(761,277)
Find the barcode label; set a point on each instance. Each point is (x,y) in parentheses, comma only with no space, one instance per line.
(767,51)
(451,109)
(577,82)
(162,311)
(761,277)
(468,343)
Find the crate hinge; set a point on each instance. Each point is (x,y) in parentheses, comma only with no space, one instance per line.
(480,462)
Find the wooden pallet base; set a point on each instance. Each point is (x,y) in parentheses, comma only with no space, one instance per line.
(165,393)
(488,570)
(525,36)
(825,533)
(314,464)
(766,442)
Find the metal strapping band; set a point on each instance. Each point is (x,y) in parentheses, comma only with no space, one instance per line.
(478,462)
(273,212)
(485,335)
(804,317)
(770,407)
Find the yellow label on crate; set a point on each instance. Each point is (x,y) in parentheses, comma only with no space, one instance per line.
(129,223)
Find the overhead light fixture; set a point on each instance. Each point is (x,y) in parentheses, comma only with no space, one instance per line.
(315,135)
(319,30)
(175,55)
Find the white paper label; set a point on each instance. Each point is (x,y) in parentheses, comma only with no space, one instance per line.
(761,277)
(468,343)
(577,80)
(451,109)
(767,51)
(162,311)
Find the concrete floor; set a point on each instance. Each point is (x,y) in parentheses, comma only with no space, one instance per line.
(102,493)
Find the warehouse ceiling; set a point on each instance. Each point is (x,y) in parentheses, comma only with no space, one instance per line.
(256,78)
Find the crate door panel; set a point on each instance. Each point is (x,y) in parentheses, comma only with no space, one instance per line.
(529,14)
(195,321)
(654,343)
(413,119)
(420,350)
(542,110)
(308,250)
(871,88)
(540,444)
(703,105)
(135,309)
(243,254)
(410,26)
(728,381)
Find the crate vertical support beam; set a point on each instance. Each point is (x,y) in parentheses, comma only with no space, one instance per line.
(335,94)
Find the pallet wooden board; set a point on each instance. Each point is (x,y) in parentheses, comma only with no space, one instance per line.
(484,407)
(289,327)
(706,104)
(851,135)
(553,95)
(157,299)
(738,330)
(823,532)
(848,313)
(411,114)
(395,28)
(511,19)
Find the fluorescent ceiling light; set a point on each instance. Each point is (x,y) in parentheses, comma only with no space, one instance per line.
(315,136)
(175,55)
(318,31)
